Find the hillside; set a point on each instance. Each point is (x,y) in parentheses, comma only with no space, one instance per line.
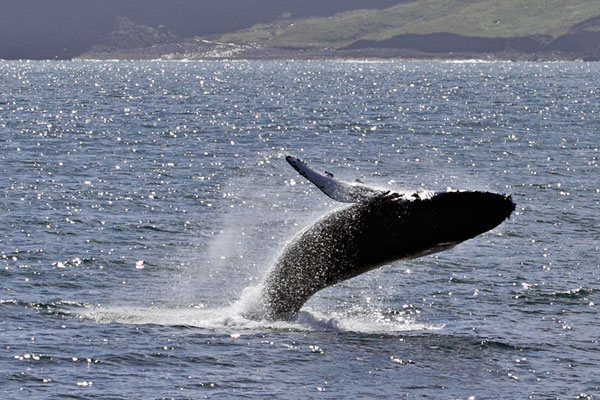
(208,29)
(560,27)
(481,18)
(63,29)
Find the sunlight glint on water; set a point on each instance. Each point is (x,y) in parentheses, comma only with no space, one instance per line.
(143,202)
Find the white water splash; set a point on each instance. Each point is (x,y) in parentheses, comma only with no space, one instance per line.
(232,319)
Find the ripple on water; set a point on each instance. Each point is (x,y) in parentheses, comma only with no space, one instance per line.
(139,199)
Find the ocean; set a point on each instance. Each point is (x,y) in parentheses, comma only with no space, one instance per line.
(143,202)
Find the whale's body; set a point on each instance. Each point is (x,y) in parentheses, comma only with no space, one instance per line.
(378,229)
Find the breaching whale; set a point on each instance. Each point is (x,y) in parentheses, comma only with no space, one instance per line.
(379,228)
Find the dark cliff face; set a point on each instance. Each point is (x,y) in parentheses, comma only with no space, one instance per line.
(584,44)
(49,29)
(448,42)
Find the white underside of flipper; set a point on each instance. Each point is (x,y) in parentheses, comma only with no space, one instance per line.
(338,190)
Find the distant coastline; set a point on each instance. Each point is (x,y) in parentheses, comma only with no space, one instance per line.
(301,29)
(236,52)
(142,43)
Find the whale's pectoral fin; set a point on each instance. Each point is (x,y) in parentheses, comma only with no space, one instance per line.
(338,190)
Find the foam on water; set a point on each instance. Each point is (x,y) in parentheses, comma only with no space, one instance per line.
(228,319)
(238,316)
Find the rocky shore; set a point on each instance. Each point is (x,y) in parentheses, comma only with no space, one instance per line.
(199,49)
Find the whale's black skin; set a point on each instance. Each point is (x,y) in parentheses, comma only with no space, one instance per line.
(371,233)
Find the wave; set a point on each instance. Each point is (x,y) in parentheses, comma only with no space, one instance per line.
(575,295)
(58,307)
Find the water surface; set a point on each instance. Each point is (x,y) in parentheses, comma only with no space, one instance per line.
(143,202)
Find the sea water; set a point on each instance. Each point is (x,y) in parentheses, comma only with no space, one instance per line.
(142,203)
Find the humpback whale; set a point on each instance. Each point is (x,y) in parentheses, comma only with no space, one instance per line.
(378,228)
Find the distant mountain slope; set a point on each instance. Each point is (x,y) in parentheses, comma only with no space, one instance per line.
(475,18)
(197,29)
(48,29)
(532,29)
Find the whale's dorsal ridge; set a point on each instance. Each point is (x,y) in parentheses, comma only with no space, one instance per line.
(338,190)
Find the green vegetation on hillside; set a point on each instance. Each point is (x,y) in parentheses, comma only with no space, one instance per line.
(482,18)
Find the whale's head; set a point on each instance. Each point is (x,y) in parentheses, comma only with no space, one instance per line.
(463,215)
(393,228)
